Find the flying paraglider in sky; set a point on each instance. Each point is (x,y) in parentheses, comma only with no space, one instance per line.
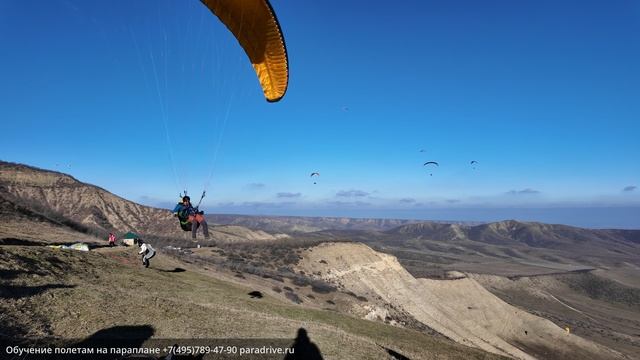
(431,163)
(314,174)
(473,162)
(254,24)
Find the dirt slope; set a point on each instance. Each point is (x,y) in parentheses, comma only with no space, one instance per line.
(590,304)
(20,223)
(459,309)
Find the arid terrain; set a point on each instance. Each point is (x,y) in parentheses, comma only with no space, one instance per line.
(361,288)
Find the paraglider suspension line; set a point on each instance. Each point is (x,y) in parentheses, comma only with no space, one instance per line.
(201,197)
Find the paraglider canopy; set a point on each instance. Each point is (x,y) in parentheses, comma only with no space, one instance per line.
(255,26)
(432,163)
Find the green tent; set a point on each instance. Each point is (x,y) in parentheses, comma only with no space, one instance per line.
(131,235)
(128,238)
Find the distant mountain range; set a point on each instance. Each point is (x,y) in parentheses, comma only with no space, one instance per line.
(531,234)
(300,224)
(509,248)
(509,239)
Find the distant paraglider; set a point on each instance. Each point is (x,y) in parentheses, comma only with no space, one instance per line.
(431,163)
(314,174)
(473,162)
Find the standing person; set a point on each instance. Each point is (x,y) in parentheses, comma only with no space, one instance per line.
(146,251)
(112,239)
(191,218)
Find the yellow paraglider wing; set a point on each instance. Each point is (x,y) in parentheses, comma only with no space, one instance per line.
(254,24)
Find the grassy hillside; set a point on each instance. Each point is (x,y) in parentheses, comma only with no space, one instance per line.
(46,292)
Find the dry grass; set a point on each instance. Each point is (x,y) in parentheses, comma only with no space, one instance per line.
(74,294)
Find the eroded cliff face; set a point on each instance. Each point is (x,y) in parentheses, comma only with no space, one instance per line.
(460,309)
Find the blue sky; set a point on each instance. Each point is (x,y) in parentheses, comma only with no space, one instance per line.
(147,98)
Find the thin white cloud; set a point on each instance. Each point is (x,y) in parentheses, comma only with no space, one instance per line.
(256,186)
(288,195)
(352,193)
(155,202)
(523,192)
(348,203)
(267,204)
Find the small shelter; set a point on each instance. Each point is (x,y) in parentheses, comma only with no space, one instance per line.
(129,238)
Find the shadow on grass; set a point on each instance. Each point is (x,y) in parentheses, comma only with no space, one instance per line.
(303,348)
(22,242)
(129,337)
(394,354)
(132,336)
(7,274)
(113,338)
(18,292)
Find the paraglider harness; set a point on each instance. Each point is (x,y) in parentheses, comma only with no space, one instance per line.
(184,212)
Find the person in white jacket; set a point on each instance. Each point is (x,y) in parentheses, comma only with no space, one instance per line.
(146,251)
